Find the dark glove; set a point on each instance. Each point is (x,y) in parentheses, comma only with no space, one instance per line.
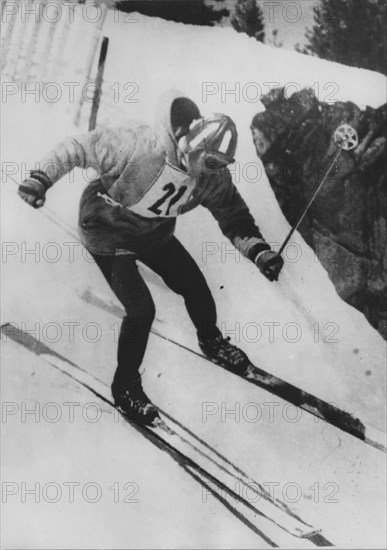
(269,264)
(33,189)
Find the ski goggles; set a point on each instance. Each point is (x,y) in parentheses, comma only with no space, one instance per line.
(212,160)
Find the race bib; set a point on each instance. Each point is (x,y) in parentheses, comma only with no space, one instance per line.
(169,192)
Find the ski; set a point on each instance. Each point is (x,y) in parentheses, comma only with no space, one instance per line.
(323,410)
(267,517)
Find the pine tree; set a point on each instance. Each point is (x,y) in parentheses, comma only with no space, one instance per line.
(194,12)
(248,18)
(273,40)
(351,32)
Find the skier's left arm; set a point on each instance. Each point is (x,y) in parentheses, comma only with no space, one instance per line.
(237,224)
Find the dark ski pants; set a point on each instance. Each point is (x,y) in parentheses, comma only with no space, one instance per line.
(182,275)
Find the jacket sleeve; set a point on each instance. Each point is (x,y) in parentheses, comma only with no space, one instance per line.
(100,149)
(231,212)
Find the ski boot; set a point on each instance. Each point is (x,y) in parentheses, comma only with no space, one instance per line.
(221,352)
(131,399)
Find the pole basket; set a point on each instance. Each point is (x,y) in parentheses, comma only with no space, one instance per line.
(346,137)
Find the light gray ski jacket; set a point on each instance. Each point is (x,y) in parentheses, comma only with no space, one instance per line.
(140,191)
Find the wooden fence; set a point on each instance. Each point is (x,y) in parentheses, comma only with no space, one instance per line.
(50,49)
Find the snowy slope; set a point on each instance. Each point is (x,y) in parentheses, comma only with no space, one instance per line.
(349,372)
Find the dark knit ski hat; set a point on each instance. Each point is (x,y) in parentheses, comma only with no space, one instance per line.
(183,112)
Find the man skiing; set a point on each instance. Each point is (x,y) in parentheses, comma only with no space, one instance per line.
(147,177)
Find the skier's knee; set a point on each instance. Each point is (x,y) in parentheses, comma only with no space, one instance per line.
(142,317)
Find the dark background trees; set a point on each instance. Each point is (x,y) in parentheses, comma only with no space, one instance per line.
(194,12)
(248,18)
(352,32)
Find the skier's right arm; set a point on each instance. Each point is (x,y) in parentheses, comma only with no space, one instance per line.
(99,149)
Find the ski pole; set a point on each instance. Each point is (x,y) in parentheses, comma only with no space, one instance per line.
(346,137)
(98,83)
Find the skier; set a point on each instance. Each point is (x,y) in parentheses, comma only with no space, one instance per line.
(147,177)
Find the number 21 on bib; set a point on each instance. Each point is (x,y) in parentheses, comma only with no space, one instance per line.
(170,190)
